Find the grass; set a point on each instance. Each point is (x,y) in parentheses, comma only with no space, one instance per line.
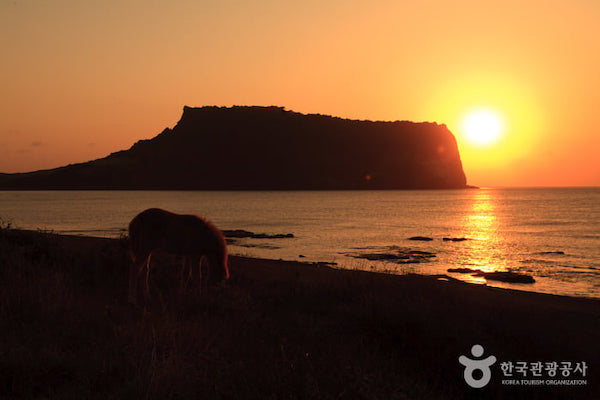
(277,330)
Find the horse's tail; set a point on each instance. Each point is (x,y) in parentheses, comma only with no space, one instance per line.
(133,239)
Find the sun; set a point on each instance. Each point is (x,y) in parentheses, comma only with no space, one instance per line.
(482,127)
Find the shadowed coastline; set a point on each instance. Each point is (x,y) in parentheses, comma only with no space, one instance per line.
(277,330)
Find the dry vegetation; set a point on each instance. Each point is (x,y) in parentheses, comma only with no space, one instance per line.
(277,330)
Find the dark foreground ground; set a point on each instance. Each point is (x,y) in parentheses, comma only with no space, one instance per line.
(278,330)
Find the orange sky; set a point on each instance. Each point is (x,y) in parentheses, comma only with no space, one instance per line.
(83,79)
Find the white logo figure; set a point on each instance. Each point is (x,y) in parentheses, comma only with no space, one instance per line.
(471,365)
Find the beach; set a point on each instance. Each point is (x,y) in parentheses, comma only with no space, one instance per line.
(276,330)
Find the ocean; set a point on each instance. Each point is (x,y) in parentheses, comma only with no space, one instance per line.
(551,234)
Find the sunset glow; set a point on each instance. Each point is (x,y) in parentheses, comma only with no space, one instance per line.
(81,80)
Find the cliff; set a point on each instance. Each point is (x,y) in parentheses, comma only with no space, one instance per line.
(268,148)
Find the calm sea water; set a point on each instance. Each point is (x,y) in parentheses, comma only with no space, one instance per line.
(552,234)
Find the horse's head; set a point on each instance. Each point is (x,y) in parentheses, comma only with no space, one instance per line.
(219,272)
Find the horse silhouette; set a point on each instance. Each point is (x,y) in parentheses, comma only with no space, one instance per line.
(190,236)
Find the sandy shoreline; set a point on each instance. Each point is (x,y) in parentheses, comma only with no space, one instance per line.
(278,329)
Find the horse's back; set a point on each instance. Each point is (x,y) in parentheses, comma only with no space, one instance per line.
(191,234)
(183,234)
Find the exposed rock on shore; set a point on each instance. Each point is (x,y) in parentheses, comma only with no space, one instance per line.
(397,255)
(501,276)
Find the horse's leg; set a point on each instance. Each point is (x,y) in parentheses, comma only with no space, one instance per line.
(216,277)
(190,269)
(186,269)
(182,285)
(135,270)
(201,260)
(147,292)
(210,263)
(133,275)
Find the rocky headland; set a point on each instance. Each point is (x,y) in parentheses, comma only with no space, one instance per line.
(268,148)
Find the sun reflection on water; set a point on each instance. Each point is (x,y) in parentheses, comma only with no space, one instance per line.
(481,225)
